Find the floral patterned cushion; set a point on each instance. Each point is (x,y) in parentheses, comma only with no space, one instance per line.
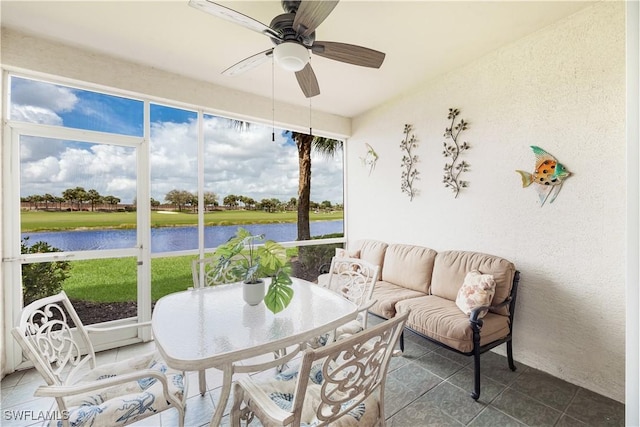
(341,332)
(125,403)
(476,291)
(343,253)
(281,390)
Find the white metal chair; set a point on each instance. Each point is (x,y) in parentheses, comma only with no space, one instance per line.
(212,275)
(354,279)
(341,384)
(53,337)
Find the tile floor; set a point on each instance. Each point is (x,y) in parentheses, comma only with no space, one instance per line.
(427,386)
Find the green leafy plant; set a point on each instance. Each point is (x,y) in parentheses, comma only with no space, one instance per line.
(41,279)
(243,258)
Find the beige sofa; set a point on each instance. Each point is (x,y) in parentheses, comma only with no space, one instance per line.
(427,282)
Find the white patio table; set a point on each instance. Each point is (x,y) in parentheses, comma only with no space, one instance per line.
(213,327)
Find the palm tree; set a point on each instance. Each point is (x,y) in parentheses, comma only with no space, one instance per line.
(327,147)
(306,143)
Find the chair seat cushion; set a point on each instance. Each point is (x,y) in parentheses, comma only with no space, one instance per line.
(442,320)
(124,403)
(281,391)
(342,331)
(348,329)
(387,295)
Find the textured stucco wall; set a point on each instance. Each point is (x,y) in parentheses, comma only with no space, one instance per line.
(563,89)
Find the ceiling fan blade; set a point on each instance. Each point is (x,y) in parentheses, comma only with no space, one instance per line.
(249,63)
(233,16)
(308,82)
(310,14)
(349,53)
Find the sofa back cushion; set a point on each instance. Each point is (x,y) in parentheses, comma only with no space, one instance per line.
(409,266)
(451,267)
(371,251)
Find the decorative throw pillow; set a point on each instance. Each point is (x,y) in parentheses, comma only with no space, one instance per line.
(476,291)
(343,253)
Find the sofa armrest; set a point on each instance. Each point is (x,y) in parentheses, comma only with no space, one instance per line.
(476,322)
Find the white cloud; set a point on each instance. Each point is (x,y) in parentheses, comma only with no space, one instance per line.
(106,168)
(34,114)
(42,95)
(245,163)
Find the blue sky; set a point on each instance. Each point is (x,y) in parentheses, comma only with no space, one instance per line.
(247,163)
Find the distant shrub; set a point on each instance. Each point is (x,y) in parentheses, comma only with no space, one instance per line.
(41,279)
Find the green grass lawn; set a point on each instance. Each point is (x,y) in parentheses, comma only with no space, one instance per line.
(115,280)
(33,221)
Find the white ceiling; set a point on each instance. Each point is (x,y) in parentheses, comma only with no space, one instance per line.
(422,39)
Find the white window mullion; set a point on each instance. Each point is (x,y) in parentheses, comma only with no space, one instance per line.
(143,210)
(201,204)
(11,267)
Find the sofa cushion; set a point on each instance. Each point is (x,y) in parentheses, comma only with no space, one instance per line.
(409,266)
(442,320)
(387,295)
(451,267)
(371,251)
(476,291)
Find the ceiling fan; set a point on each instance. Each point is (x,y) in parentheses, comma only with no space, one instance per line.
(294,37)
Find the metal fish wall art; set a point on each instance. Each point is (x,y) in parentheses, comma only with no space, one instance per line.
(548,176)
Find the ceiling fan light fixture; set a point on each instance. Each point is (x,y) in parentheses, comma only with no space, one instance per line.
(291,56)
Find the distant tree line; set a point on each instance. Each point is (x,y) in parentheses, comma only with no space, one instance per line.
(185,200)
(80,199)
(75,198)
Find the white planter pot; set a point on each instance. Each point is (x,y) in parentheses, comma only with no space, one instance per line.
(253,293)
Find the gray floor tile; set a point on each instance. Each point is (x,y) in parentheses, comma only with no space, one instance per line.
(547,389)
(423,413)
(415,350)
(525,409)
(491,417)
(596,410)
(199,410)
(456,357)
(11,380)
(439,365)
(489,388)
(405,385)
(567,421)
(32,412)
(454,402)
(497,368)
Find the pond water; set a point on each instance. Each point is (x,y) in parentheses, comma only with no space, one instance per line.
(167,239)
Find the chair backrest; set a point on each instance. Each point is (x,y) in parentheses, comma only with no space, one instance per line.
(354,278)
(53,337)
(353,371)
(211,272)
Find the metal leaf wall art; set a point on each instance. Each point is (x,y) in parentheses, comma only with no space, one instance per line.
(409,160)
(453,169)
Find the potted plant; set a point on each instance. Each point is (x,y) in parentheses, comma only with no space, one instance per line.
(241,259)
